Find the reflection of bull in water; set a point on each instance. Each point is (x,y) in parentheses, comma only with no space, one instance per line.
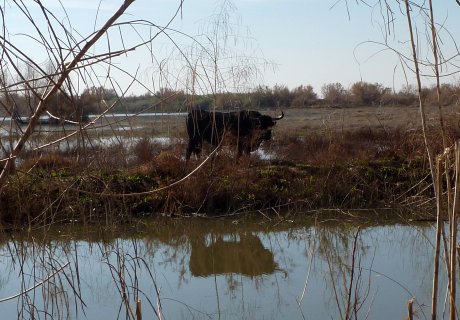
(247,256)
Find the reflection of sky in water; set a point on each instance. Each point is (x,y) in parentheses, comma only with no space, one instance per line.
(264,154)
(400,257)
(71,143)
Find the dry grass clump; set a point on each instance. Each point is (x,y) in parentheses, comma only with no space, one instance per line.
(365,144)
(144,150)
(49,162)
(168,164)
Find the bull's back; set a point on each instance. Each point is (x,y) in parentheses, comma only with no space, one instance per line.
(207,126)
(195,122)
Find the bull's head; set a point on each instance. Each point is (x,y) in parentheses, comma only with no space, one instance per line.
(264,122)
(263,128)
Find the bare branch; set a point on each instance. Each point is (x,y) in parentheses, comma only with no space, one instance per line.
(53,88)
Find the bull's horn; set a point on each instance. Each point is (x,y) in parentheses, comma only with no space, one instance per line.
(279,117)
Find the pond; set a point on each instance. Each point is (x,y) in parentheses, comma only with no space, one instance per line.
(110,130)
(295,268)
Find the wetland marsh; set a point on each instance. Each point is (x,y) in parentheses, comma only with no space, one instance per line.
(100,225)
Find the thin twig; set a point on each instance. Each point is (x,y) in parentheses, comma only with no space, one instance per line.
(158,189)
(310,263)
(453,235)
(37,284)
(350,287)
(439,225)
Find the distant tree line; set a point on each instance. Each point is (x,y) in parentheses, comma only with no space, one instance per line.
(63,105)
(95,100)
(263,97)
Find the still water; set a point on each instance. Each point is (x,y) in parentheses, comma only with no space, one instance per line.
(219,269)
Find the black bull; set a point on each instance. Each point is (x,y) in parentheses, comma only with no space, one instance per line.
(245,129)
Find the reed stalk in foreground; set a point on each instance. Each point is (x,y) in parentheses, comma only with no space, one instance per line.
(439,226)
(435,172)
(138,310)
(410,311)
(438,182)
(453,235)
(450,248)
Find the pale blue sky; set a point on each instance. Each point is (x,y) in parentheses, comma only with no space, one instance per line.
(305,42)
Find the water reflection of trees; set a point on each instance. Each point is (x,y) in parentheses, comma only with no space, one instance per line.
(130,260)
(45,280)
(350,283)
(125,269)
(349,252)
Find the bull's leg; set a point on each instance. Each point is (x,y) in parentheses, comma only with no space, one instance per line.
(193,147)
(240,149)
(247,150)
(244,148)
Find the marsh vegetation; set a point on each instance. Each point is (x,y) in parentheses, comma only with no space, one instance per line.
(318,158)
